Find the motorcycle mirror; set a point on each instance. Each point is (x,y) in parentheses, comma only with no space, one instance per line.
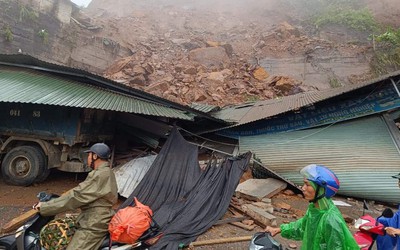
(388,213)
(41,195)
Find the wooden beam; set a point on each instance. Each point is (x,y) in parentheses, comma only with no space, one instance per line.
(238,208)
(229,220)
(18,221)
(220,241)
(243,226)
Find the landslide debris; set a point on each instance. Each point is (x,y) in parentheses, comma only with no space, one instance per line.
(212,51)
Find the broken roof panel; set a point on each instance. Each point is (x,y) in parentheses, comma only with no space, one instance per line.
(20,85)
(204,107)
(250,112)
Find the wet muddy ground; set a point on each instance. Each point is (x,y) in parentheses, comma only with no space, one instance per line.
(17,200)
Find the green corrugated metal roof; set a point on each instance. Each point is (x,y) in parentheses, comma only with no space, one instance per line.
(37,87)
(24,61)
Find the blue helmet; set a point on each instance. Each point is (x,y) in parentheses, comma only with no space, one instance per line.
(323,177)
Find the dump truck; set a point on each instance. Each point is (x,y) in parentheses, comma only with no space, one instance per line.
(36,138)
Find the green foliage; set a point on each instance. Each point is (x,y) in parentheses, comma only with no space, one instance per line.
(27,14)
(391,36)
(334,82)
(360,19)
(8,35)
(44,35)
(385,61)
(387,52)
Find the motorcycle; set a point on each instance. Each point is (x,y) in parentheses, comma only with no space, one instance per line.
(264,241)
(27,236)
(369,229)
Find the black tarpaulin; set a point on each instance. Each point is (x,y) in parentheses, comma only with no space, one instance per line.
(186,200)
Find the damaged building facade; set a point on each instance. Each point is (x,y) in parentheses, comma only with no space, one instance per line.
(352,129)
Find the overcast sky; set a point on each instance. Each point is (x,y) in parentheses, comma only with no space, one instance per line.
(81,2)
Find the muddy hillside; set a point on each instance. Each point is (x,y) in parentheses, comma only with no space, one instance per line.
(216,52)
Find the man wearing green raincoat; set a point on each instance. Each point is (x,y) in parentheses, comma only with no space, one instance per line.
(323,226)
(95,196)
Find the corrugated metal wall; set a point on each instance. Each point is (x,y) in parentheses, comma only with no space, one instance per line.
(361,152)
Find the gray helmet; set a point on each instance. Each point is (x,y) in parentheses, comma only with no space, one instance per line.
(100,149)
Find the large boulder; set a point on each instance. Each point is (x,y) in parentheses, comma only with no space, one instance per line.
(210,56)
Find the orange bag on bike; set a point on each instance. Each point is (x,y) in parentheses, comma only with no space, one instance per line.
(129,223)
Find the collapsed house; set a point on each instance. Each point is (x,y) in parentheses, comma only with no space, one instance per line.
(352,129)
(50,114)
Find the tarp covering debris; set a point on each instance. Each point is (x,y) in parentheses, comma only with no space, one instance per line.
(186,200)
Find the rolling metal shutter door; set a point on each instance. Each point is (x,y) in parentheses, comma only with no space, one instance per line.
(361,152)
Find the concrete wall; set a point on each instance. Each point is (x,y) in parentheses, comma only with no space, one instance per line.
(61,9)
(64,11)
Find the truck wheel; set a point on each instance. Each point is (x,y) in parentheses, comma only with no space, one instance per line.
(44,171)
(21,165)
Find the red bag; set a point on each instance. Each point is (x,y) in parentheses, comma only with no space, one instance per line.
(129,223)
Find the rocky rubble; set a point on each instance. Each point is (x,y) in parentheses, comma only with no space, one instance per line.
(190,53)
(213,52)
(208,72)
